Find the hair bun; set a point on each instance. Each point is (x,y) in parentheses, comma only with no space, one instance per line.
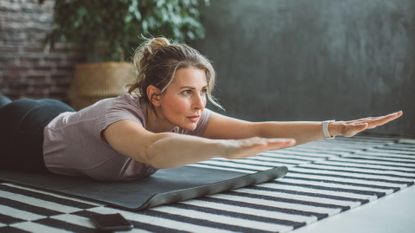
(155,44)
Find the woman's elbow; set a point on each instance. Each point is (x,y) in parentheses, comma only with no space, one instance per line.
(152,156)
(155,162)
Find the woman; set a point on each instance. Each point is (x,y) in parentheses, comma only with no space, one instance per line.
(161,122)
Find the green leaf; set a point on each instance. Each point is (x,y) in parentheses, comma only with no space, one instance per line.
(118,24)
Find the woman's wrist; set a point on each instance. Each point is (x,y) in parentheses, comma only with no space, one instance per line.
(225,146)
(328,129)
(335,128)
(221,147)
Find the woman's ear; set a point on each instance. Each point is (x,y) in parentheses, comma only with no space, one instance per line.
(154,95)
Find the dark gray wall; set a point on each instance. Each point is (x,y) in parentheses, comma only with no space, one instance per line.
(314,60)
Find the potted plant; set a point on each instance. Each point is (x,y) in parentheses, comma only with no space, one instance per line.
(108,31)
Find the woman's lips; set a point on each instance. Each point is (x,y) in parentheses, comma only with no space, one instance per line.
(193,118)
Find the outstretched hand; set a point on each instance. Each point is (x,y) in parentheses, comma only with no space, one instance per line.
(353,127)
(242,148)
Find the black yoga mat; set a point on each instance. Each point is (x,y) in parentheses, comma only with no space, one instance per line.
(164,187)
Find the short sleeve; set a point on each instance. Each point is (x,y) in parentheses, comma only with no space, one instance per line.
(120,111)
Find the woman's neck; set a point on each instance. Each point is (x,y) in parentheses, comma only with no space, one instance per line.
(156,123)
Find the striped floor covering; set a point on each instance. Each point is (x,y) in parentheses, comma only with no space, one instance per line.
(325,178)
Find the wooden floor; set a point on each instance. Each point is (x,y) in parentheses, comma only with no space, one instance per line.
(329,184)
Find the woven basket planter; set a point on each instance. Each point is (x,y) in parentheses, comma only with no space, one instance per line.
(96,81)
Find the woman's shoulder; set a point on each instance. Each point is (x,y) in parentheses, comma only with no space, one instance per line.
(126,102)
(125,106)
(129,99)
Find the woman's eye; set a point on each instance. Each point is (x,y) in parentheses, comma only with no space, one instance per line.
(187,92)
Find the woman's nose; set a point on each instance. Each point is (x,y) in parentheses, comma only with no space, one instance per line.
(199,102)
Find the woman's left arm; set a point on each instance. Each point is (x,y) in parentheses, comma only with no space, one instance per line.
(220,126)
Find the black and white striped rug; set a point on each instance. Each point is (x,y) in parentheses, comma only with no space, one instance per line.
(325,178)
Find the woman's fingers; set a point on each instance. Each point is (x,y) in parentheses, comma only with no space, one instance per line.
(391,116)
(266,141)
(381,120)
(385,119)
(283,142)
(264,144)
(252,146)
(353,127)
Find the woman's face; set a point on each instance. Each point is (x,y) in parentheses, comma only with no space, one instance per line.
(184,100)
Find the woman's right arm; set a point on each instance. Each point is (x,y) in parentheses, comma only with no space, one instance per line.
(165,150)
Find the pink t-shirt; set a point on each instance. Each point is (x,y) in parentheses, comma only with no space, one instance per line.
(73,144)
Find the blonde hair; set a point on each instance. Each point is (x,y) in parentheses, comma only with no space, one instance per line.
(157,61)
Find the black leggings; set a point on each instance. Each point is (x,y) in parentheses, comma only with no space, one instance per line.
(21,132)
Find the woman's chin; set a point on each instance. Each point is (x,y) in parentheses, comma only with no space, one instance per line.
(189,127)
